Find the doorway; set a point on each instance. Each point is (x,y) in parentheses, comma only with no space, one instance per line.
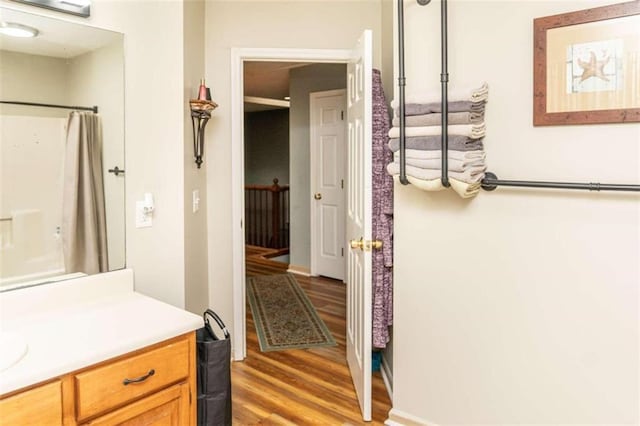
(239,57)
(359,77)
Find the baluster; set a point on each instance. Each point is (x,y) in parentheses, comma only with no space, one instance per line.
(275,213)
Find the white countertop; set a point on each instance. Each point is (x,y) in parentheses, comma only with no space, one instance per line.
(77,323)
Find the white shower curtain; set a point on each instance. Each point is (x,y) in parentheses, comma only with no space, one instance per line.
(84,229)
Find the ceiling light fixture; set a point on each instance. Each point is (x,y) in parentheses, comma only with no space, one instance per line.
(77,3)
(17,30)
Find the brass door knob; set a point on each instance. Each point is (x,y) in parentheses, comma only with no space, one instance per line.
(357,244)
(375,244)
(318,196)
(366,245)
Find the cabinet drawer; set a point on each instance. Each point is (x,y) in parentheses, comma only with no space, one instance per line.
(167,407)
(39,406)
(104,388)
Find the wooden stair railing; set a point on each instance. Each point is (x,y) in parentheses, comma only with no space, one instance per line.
(267,215)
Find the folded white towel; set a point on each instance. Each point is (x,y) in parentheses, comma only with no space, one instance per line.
(473,131)
(436,163)
(463,189)
(465,93)
(437,154)
(469,175)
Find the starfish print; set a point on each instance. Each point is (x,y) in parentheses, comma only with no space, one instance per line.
(593,68)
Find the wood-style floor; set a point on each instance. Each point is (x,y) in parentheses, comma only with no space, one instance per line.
(302,386)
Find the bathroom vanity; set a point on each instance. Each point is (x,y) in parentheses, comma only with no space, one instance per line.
(97,353)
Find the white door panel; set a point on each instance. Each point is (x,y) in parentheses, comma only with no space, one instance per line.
(327,183)
(358,227)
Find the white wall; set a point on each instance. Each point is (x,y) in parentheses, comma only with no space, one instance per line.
(519,306)
(29,241)
(154,131)
(286,24)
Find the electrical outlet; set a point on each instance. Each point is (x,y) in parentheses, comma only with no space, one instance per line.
(143,220)
(196,200)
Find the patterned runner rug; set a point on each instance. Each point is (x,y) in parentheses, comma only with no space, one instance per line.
(284,316)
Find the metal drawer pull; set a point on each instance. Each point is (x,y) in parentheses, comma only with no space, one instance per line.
(139,379)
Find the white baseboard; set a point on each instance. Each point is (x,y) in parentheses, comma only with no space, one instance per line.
(399,418)
(387,377)
(300,270)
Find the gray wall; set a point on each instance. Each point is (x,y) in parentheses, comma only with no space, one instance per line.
(303,81)
(266,147)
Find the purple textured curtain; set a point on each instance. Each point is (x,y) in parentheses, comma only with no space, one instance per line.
(382,217)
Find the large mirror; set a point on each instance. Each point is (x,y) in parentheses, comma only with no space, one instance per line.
(61,164)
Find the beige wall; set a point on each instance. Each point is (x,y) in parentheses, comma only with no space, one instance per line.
(154,131)
(283,24)
(22,79)
(195,223)
(97,78)
(518,306)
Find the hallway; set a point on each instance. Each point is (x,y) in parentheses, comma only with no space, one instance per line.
(311,386)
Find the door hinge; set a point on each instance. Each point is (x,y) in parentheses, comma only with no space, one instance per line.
(190,402)
(342,183)
(342,250)
(341,115)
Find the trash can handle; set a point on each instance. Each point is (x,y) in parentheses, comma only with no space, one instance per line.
(217,319)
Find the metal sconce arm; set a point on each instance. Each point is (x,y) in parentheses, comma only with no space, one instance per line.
(200,115)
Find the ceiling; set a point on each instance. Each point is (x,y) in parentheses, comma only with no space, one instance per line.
(267,80)
(57,38)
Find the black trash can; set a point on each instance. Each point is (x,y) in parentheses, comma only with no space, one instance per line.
(214,374)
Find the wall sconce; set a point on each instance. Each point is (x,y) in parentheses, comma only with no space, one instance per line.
(200,115)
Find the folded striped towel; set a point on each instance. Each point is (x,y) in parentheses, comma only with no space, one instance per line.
(453,164)
(433,107)
(435,119)
(469,175)
(464,93)
(463,189)
(473,131)
(455,142)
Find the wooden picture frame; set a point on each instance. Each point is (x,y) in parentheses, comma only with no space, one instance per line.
(586,66)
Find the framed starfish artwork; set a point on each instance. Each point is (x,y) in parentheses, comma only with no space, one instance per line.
(586,66)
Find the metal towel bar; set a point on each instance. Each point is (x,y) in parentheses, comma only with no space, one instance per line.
(490,181)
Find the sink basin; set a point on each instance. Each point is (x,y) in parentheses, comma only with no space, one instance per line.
(12,349)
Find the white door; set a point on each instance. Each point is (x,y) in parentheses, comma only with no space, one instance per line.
(327,183)
(359,295)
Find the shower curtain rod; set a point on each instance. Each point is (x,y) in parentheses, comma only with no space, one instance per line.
(80,108)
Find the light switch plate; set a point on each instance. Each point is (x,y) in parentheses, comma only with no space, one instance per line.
(142,220)
(196,200)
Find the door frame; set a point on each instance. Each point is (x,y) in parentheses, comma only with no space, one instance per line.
(315,231)
(238,57)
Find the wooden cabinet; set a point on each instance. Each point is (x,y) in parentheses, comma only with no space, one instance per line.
(155,385)
(38,406)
